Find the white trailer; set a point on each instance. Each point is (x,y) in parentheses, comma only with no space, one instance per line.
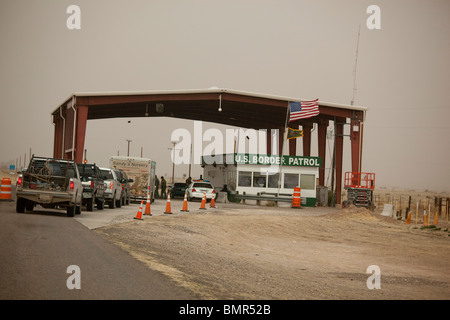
(142,171)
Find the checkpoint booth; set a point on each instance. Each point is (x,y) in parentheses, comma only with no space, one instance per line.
(261,175)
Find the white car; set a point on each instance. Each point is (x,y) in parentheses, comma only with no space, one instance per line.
(197,188)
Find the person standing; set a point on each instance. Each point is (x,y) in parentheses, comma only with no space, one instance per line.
(156,187)
(163,188)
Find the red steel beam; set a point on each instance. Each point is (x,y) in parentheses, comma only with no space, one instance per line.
(322,140)
(339,156)
(80,132)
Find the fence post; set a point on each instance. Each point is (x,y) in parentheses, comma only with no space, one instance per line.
(447,207)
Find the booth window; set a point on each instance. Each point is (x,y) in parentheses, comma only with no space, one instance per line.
(307,181)
(273,180)
(259,180)
(290,180)
(245,179)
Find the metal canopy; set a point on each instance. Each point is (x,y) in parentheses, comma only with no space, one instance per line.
(216,105)
(239,108)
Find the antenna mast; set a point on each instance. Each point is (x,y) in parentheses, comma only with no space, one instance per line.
(356,65)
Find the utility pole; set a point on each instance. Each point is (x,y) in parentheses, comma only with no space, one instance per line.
(190,161)
(128,153)
(356,66)
(173,162)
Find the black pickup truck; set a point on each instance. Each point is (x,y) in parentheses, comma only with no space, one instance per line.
(93,186)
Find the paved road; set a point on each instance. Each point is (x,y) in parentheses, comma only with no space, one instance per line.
(37,248)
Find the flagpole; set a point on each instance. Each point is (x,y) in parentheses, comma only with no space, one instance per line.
(282,147)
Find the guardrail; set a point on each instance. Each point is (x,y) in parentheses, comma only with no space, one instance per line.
(265,196)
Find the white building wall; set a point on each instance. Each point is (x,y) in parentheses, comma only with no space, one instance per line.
(220,175)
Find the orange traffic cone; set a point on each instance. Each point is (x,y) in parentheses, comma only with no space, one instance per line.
(147,205)
(202,205)
(213,201)
(168,207)
(408,220)
(185,207)
(435,222)
(139,213)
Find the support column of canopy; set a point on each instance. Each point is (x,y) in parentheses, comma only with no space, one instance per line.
(307,139)
(339,156)
(322,137)
(80,132)
(70,131)
(58,123)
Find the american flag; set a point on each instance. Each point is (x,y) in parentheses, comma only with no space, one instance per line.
(303,109)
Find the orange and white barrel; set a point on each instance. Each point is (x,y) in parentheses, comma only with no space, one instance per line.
(5,189)
(296,198)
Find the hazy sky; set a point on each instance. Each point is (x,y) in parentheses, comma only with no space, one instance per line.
(302,49)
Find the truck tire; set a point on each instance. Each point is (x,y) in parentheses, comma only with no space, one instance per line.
(90,204)
(20,205)
(78,207)
(29,205)
(112,204)
(71,211)
(100,203)
(119,203)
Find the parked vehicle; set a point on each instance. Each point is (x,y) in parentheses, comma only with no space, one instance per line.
(126,185)
(197,188)
(142,171)
(93,186)
(178,189)
(51,183)
(113,188)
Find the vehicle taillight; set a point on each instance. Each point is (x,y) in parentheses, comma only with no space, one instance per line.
(193,190)
(214,191)
(111,185)
(92,184)
(72,185)
(19,181)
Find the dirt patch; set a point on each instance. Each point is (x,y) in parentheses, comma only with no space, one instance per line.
(251,252)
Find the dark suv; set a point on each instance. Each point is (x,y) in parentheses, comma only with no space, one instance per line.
(93,186)
(126,186)
(178,189)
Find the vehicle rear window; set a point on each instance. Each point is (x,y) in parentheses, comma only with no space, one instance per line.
(86,170)
(107,174)
(202,185)
(50,167)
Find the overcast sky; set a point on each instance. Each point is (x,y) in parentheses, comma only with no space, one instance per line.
(302,49)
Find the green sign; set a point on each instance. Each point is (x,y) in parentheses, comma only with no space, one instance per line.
(262,159)
(298,161)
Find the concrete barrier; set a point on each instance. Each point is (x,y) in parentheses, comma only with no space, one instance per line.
(388,210)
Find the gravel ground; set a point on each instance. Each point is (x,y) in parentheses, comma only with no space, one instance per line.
(240,251)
